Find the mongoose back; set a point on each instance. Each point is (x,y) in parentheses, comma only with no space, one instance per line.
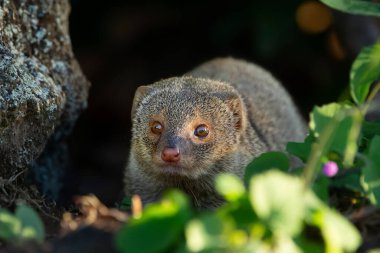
(214,119)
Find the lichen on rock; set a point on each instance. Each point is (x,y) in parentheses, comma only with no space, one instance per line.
(42,88)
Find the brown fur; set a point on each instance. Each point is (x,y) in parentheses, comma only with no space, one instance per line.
(246,110)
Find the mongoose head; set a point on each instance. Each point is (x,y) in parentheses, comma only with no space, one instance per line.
(183,127)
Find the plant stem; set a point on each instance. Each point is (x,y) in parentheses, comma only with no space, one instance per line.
(319,149)
(353,135)
(373,93)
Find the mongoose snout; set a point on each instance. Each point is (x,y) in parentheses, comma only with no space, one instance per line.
(170,154)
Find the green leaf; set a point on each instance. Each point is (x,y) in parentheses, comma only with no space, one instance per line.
(370,129)
(286,244)
(241,212)
(371,170)
(332,115)
(159,227)
(339,234)
(32,226)
(350,180)
(229,186)
(309,245)
(321,187)
(126,204)
(277,198)
(355,6)
(10,226)
(205,233)
(301,149)
(264,162)
(364,71)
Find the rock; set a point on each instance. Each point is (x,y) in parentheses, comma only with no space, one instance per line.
(42,89)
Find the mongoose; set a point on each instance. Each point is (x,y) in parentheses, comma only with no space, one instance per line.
(216,118)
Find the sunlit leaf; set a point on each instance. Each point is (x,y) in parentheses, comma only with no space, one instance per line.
(337,117)
(158,228)
(10,226)
(229,186)
(339,234)
(364,71)
(32,226)
(371,170)
(355,6)
(285,244)
(205,233)
(241,212)
(274,196)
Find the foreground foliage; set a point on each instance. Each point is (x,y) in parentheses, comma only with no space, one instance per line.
(275,214)
(24,224)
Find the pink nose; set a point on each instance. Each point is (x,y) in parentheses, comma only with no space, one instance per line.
(170,154)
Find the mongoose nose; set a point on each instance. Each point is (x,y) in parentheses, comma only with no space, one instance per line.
(170,154)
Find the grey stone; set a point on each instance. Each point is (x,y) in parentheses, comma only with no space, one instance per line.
(42,89)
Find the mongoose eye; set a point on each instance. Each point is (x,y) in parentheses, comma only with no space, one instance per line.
(201,131)
(156,127)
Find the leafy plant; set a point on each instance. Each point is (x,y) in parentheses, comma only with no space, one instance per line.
(24,224)
(340,133)
(161,222)
(275,214)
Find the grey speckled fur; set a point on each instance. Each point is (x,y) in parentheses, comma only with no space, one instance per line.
(248,113)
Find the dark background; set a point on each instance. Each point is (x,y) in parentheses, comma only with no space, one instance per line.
(123,44)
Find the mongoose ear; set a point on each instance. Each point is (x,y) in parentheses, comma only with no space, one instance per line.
(236,105)
(140,93)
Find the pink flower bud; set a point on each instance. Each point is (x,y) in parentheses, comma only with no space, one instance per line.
(330,169)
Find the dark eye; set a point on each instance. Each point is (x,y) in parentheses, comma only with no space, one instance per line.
(156,127)
(201,131)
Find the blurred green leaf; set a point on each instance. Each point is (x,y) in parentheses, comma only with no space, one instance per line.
(301,149)
(370,129)
(309,245)
(160,225)
(355,6)
(321,188)
(364,71)
(274,196)
(10,226)
(264,162)
(32,226)
(126,203)
(24,224)
(229,186)
(180,200)
(351,180)
(338,233)
(371,170)
(241,212)
(285,244)
(205,233)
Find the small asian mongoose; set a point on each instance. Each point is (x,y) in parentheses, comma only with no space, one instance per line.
(214,119)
